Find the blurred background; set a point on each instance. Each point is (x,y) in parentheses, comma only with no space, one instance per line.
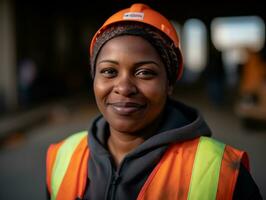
(45,88)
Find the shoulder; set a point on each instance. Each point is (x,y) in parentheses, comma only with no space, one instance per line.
(73,137)
(70,142)
(77,136)
(214,144)
(208,142)
(230,153)
(66,147)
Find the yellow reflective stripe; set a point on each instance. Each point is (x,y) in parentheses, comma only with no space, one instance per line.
(206,169)
(62,160)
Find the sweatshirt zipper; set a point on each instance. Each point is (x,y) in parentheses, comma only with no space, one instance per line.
(115,179)
(113,186)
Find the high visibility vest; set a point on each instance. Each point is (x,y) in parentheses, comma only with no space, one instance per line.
(202,168)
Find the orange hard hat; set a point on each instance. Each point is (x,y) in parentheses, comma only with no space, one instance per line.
(142,13)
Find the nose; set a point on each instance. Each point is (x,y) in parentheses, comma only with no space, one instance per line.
(125,86)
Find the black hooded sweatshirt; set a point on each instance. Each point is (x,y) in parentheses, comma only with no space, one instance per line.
(180,123)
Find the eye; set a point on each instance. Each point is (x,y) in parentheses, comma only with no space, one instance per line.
(145,73)
(108,72)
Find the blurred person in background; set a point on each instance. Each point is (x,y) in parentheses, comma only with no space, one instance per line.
(145,144)
(253,77)
(27,73)
(252,88)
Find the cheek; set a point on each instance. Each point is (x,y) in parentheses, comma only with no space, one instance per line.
(97,88)
(156,93)
(100,91)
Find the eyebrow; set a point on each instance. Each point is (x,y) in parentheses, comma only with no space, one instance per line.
(109,61)
(147,62)
(136,64)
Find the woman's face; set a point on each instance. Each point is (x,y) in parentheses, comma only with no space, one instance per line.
(130,84)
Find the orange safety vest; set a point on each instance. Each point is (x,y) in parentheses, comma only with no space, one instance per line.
(202,168)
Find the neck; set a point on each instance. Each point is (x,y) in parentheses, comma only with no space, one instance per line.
(120,144)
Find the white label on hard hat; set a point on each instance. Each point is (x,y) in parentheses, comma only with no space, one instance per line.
(134,15)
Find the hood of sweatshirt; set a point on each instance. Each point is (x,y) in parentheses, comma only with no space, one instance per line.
(180,123)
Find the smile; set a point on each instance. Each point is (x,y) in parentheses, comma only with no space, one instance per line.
(126,108)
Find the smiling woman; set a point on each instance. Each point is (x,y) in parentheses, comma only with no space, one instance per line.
(131,89)
(144,145)
(130,83)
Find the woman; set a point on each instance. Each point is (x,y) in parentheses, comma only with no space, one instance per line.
(144,145)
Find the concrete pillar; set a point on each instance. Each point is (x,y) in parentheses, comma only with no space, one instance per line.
(8,78)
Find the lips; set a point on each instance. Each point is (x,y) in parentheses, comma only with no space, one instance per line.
(126,108)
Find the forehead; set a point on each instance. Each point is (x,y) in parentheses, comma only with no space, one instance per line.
(133,46)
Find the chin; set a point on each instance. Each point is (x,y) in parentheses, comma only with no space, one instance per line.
(126,126)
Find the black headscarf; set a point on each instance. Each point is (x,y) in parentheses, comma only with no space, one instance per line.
(164,46)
